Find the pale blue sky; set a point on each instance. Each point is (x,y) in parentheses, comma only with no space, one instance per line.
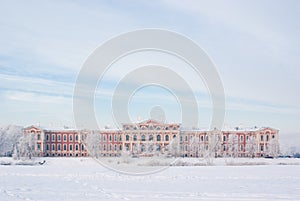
(254,44)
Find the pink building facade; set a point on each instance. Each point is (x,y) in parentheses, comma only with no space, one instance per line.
(148,138)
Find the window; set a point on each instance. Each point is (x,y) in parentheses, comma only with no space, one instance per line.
(110,138)
(186,138)
(158,138)
(59,137)
(47,137)
(224,148)
(53,147)
(151,127)
(134,138)
(174,128)
(47,147)
(174,136)
(207,138)
(115,147)
(127,137)
(120,147)
(267,137)
(58,147)
(110,148)
(71,147)
(38,146)
(242,147)
(224,138)
(76,138)
(261,138)
(76,147)
(120,138)
(53,137)
(158,128)
(167,128)
(135,128)
(65,138)
(242,138)
(181,138)
(82,147)
(273,136)
(39,137)
(150,137)
(202,138)
(143,138)
(104,137)
(115,138)
(167,137)
(71,137)
(104,147)
(65,147)
(261,148)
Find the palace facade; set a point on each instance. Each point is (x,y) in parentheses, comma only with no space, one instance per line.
(152,137)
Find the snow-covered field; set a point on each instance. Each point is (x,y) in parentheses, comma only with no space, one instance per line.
(85,179)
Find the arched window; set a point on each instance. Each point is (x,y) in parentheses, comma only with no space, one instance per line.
(38,137)
(135,128)
(207,138)
(76,138)
(143,138)
(224,138)
(174,128)
(71,137)
(242,138)
(115,138)
(261,138)
(58,147)
(59,137)
(65,138)
(167,128)
(267,137)
(167,137)
(110,138)
(174,136)
(202,138)
(127,137)
(134,138)
(65,147)
(186,138)
(273,136)
(104,147)
(158,138)
(104,137)
(150,137)
(157,128)
(151,127)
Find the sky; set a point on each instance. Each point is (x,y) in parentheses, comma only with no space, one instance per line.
(254,45)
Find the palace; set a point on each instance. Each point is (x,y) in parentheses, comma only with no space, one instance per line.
(152,137)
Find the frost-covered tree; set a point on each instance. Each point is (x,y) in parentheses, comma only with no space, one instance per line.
(251,146)
(25,148)
(92,142)
(233,146)
(273,148)
(9,136)
(174,147)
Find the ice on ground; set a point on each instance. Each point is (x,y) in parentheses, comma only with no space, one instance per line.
(85,179)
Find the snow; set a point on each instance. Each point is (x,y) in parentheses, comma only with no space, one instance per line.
(85,179)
